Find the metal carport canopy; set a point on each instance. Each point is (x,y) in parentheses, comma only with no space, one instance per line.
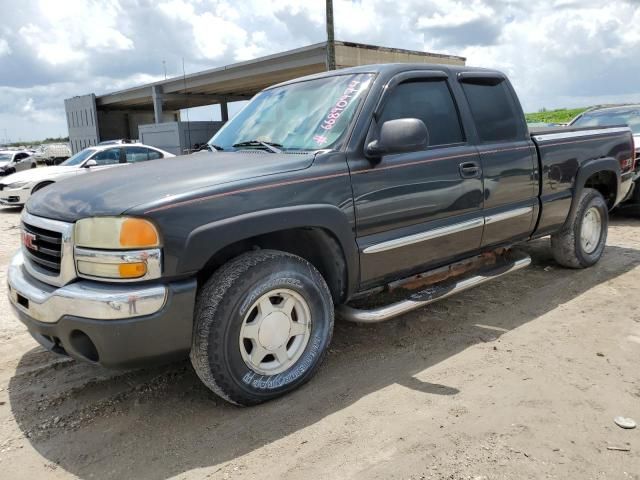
(240,81)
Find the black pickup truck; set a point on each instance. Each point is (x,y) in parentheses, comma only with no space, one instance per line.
(412,178)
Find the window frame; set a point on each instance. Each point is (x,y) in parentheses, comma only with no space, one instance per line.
(498,79)
(124,151)
(93,157)
(417,76)
(149,150)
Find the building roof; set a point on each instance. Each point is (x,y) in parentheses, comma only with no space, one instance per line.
(240,81)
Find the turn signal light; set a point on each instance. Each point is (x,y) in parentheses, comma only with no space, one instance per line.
(137,233)
(113,270)
(132,270)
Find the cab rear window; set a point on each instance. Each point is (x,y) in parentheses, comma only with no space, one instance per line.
(493,109)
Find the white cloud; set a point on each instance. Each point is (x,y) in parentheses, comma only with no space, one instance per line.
(557,52)
(4,47)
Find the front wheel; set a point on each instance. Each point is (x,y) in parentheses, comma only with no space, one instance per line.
(263,323)
(581,242)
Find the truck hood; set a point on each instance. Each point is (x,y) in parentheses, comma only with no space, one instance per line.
(114,191)
(38,174)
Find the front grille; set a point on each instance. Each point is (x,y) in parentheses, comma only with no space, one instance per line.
(45,250)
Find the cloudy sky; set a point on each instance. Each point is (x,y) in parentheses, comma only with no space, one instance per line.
(558,52)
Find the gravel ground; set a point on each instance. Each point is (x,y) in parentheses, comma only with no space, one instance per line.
(519,378)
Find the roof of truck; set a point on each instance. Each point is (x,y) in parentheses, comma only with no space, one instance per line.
(391,69)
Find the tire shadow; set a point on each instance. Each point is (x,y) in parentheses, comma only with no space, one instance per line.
(161,422)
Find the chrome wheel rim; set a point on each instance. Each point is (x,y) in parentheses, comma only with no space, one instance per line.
(275,331)
(591,230)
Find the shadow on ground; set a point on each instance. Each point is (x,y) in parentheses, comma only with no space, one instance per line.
(94,422)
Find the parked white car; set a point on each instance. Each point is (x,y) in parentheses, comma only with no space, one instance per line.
(17,188)
(12,161)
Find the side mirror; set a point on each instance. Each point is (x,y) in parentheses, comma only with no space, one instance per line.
(397,136)
(90,163)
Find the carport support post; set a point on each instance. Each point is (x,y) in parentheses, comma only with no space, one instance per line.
(156,94)
(224,112)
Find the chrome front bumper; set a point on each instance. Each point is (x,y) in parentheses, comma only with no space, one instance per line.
(84,298)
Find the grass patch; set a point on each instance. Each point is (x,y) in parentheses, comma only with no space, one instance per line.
(562,115)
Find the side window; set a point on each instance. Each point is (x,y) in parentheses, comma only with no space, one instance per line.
(136,154)
(153,155)
(20,156)
(107,157)
(429,101)
(493,109)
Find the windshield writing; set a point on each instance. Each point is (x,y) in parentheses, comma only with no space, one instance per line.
(301,116)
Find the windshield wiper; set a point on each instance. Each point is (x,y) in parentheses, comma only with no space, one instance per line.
(212,148)
(270,146)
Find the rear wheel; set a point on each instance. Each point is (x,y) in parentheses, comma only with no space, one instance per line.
(581,242)
(263,323)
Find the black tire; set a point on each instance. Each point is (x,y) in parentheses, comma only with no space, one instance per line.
(221,306)
(566,245)
(33,165)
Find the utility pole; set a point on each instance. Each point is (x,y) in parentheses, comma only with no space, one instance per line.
(331,48)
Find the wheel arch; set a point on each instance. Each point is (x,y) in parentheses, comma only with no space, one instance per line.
(321,234)
(41,184)
(601,174)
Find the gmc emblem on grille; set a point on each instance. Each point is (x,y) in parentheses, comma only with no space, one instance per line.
(28,240)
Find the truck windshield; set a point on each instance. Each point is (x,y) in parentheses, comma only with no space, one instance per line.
(607,118)
(308,115)
(78,158)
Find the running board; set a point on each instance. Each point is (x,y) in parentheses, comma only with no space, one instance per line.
(433,293)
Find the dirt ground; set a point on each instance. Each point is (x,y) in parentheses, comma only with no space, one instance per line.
(520,378)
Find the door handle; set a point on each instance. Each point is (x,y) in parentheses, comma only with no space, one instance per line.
(470,170)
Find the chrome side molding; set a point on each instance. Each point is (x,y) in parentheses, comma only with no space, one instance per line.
(448,230)
(423,236)
(431,294)
(498,217)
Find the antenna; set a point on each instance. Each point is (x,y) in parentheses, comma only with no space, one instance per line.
(331,47)
(164,67)
(184,78)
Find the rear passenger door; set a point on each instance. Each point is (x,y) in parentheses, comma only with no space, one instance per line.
(415,209)
(136,154)
(508,156)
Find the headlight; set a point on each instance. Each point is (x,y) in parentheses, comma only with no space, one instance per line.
(17,185)
(117,248)
(116,233)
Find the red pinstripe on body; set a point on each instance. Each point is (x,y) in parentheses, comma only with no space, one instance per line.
(357,172)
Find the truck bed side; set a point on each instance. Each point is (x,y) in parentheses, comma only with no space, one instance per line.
(570,159)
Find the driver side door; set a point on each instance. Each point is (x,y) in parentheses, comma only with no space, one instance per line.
(21,162)
(107,158)
(418,209)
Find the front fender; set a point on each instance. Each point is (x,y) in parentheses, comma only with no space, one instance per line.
(203,242)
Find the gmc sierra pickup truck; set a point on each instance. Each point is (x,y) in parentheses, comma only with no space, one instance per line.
(416,178)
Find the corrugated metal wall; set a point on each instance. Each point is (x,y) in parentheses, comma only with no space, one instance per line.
(82,121)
